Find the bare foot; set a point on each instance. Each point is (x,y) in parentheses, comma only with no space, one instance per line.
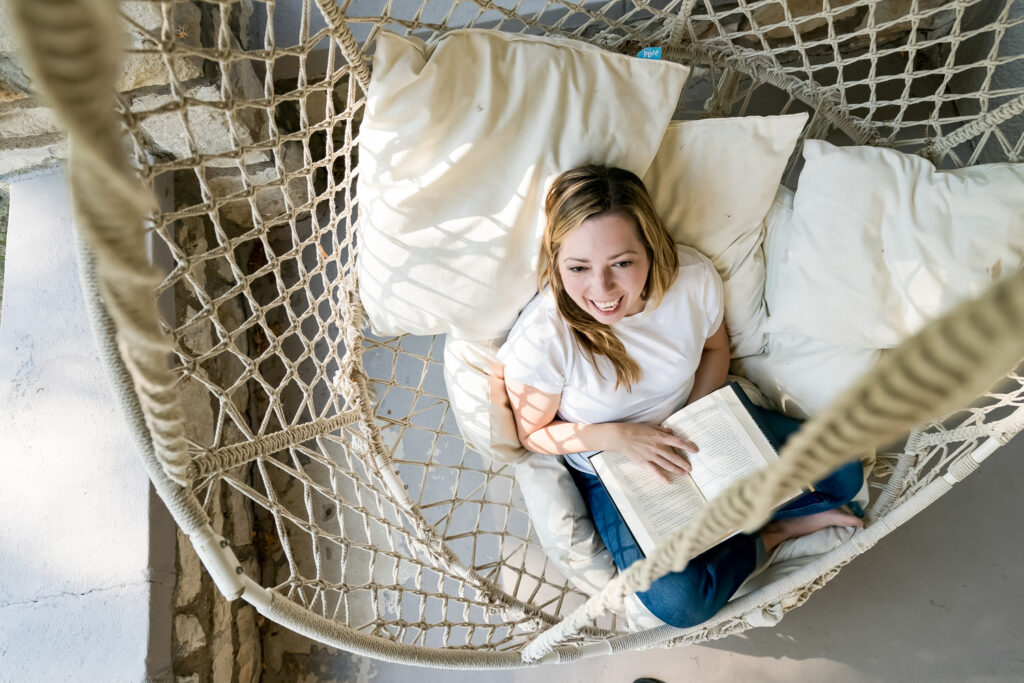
(781,530)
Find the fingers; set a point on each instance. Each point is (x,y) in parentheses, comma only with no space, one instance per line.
(679,442)
(663,466)
(662,451)
(672,463)
(658,449)
(657,471)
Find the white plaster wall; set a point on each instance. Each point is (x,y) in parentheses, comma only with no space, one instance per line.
(75,583)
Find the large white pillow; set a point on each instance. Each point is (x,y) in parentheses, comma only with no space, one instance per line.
(712,183)
(776,244)
(881,241)
(798,375)
(458,144)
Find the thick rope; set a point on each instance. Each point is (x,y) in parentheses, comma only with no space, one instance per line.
(73,48)
(346,41)
(241,453)
(188,513)
(826,103)
(984,123)
(960,355)
(681,21)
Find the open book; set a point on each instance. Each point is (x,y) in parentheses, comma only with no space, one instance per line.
(732,446)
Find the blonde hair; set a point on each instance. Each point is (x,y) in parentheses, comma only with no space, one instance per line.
(574,197)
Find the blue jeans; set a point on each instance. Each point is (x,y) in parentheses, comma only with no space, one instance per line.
(694,595)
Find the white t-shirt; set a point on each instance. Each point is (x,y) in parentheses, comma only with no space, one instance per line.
(665,341)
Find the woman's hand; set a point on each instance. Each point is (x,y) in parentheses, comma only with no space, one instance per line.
(654,447)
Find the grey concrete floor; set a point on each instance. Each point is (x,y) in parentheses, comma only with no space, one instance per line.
(939,599)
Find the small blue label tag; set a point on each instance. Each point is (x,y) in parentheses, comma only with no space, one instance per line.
(649,53)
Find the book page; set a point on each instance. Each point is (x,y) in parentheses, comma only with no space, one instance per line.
(729,449)
(651,508)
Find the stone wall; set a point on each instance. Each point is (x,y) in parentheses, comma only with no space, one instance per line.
(1009,74)
(214,641)
(31,141)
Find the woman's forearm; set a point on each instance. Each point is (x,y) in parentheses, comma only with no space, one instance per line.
(711,373)
(654,447)
(558,438)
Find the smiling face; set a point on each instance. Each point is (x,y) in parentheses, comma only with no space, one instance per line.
(603,266)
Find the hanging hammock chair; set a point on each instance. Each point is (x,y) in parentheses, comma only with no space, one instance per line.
(367,556)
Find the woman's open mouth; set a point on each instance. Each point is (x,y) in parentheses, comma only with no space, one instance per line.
(607,307)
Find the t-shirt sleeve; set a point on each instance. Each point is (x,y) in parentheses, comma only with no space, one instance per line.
(714,299)
(535,352)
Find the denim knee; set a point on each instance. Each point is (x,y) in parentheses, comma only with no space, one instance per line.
(843,484)
(680,600)
(694,595)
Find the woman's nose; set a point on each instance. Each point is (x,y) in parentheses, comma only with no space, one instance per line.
(604,280)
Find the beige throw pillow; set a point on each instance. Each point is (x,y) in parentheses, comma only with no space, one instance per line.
(712,182)
(475,380)
(458,144)
(880,242)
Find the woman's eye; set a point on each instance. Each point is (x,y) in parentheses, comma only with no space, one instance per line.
(577,269)
(624,264)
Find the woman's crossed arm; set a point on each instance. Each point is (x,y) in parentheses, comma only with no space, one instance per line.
(654,446)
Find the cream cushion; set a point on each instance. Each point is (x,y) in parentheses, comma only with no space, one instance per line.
(798,375)
(881,241)
(476,391)
(776,244)
(563,526)
(712,183)
(458,144)
(567,534)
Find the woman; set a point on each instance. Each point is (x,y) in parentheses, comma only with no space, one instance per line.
(626,330)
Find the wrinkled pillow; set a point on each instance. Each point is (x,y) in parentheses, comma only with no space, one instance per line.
(457,146)
(475,381)
(563,526)
(712,183)
(800,376)
(880,242)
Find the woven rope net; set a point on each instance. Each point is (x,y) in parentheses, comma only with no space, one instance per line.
(382,531)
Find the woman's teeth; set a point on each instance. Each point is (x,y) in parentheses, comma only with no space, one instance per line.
(606,306)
